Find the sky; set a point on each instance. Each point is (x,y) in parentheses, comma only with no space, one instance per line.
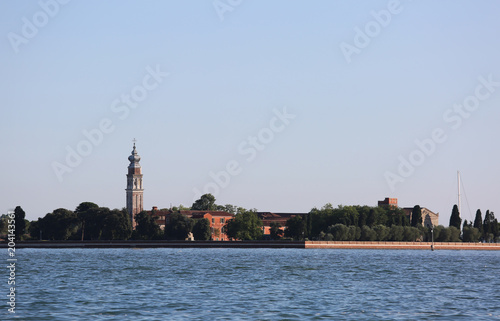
(281,105)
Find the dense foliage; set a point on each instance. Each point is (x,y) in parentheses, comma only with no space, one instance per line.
(344,223)
(87,222)
(244,226)
(201,230)
(146,228)
(276,231)
(204,203)
(353,223)
(178,227)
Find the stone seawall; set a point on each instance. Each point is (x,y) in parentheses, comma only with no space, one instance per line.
(401,245)
(256,244)
(154,244)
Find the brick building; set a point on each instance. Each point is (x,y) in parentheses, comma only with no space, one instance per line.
(429,218)
(281,218)
(391,202)
(217,220)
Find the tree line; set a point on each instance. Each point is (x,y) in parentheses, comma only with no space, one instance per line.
(356,223)
(345,223)
(486,230)
(384,223)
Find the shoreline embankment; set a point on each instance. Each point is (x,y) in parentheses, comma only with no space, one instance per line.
(256,244)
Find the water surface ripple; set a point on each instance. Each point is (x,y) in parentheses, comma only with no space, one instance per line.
(255,284)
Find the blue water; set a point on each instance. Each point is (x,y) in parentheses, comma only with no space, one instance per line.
(255,284)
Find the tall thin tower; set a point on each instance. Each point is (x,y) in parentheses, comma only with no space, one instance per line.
(134,186)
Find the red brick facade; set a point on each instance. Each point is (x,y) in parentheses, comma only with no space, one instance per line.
(391,202)
(217,220)
(280,218)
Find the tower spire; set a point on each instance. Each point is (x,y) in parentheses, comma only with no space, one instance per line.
(134,188)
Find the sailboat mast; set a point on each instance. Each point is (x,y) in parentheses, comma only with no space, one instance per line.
(459,196)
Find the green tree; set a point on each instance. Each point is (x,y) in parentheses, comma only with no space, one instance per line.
(85,206)
(368,234)
(82,213)
(454,234)
(488,226)
(441,234)
(455,219)
(146,227)
(295,227)
(320,220)
(205,203)
(347,215)
(116,225)
(397,233)
(471,234)
(363,215)
(245,225)
(19,223)
(230,208)
(353,233)
(92,222)
(276,231)
(383,232)
(178,208)
(178,227)
(416,216)
(411,234)
(370,219)
(382,216)
(61,224)
(478,222)
(34,230)
(201,230)
(4,222)
(340,232)
(495,228)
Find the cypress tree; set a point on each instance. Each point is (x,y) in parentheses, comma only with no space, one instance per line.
(19,222)
(487,226)
(455,219)
(495,228)
(416,216)
(478,222)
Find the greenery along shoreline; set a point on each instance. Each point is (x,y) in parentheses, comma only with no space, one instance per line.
(344,223)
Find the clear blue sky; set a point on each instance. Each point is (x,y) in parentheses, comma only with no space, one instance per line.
(357,113)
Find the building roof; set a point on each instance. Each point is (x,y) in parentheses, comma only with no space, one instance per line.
(269,217)
(189,213)
(410,209)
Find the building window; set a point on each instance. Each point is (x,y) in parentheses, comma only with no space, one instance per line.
(213,220)
(223,220)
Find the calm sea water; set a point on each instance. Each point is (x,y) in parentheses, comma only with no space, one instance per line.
(255,284)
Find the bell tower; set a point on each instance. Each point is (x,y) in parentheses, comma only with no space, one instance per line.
(134,186)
